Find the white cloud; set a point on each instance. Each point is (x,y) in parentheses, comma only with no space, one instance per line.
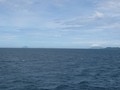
(97,15)
(110,4)
(78,22)
(110,7)
(96,45)
(7,37)
(113,26)
(24,17)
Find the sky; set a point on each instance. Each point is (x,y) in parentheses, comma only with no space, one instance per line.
(59,23)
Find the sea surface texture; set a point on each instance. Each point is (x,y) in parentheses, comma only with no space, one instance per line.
(59,69)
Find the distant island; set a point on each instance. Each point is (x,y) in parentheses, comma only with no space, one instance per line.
(112,48)
(99,47)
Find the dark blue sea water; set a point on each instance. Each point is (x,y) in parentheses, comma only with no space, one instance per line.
(59,69)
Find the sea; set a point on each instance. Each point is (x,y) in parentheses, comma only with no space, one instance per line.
(59,69)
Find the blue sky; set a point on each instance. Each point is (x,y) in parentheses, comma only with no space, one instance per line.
(59,23)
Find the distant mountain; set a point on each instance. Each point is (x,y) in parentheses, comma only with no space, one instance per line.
(112,48)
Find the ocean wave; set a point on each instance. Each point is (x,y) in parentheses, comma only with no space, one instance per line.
(84,85)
